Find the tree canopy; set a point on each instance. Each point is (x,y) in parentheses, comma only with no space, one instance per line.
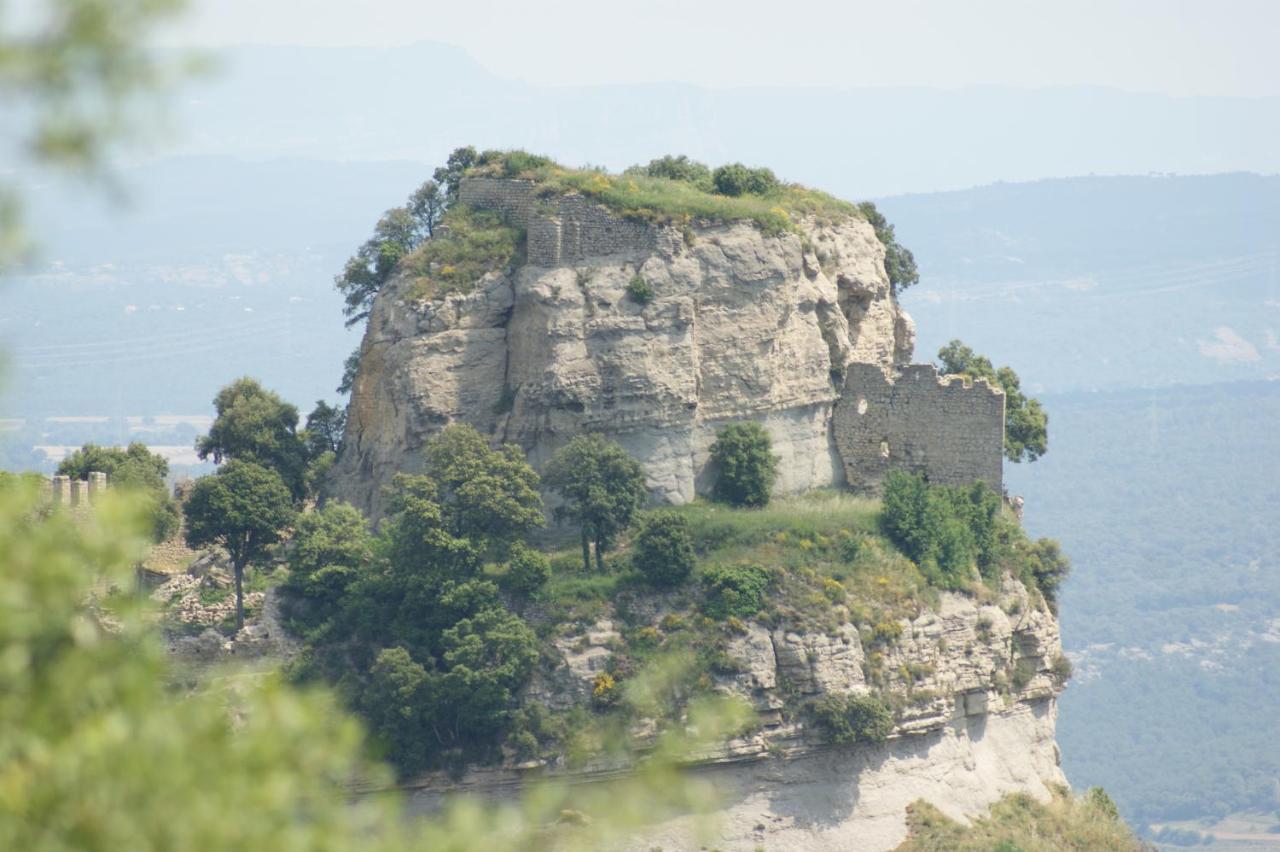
(244,507)
(490,496)
(420,642)
(132,468)
(664,553)
(899,262)
(254,424)
(325,426)
(1026,424)
(602,487)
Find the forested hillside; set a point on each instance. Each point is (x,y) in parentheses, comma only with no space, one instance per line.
(1166,502)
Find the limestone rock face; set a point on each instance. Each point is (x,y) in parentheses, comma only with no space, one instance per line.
(978,723)
(743,326)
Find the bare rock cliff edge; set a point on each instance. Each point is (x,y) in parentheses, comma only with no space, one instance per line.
(743,325)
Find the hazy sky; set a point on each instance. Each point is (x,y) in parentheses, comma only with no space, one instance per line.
(1181,47)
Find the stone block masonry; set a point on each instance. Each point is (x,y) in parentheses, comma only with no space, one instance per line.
(77,494)
(950,432)
(560,230)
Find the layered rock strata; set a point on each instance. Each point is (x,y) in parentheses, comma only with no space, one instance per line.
(743,325)
(978,723)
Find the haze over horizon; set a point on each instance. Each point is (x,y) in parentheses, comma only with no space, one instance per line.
(1174,48)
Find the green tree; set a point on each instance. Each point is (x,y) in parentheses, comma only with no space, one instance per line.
(426,206)
(244,507)
(1026,424)
(488,656)
(602,487)
(418,537)
(489,496)
(254,424)
(745,463)
(931,526)
(325,426)
(736,179)
(397,233)
(1048,566)
(327,552)
(899,262)
(350,367)
(663,549)
(133,468)
(395,704)
(450,174)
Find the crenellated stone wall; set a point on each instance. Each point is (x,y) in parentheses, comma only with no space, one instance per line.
(564,230)
(950,431)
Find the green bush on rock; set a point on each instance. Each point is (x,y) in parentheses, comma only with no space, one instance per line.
(734,591)
(846,719)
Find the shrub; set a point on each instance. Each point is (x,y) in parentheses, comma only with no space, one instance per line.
(527,570)
(1061,668)
(736,179)
(1046,566)
(734,591)
(664,549)
(605,691)
(886,632)
(944,530)
(475,243)
(746,465)
(640,291)
(849,719)
(516,163)
(680,168)
(899,262)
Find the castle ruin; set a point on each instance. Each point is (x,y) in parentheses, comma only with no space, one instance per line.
(76,493)
(802,335)
(945,428)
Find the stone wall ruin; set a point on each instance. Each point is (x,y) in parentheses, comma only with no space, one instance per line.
(560,230)
(949,431)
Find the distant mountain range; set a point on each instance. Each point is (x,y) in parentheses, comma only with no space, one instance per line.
(419,102)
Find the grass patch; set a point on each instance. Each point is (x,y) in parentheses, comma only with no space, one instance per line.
(828,562)
(475,243)
(659,199)
(574,597)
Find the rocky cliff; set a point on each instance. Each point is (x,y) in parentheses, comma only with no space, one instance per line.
(980,694)
(657,332)
(742,324)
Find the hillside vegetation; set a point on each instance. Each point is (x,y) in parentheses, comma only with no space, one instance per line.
(1018,823)
(432,624)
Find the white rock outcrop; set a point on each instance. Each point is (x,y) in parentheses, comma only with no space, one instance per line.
(743,325)
(978,724)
